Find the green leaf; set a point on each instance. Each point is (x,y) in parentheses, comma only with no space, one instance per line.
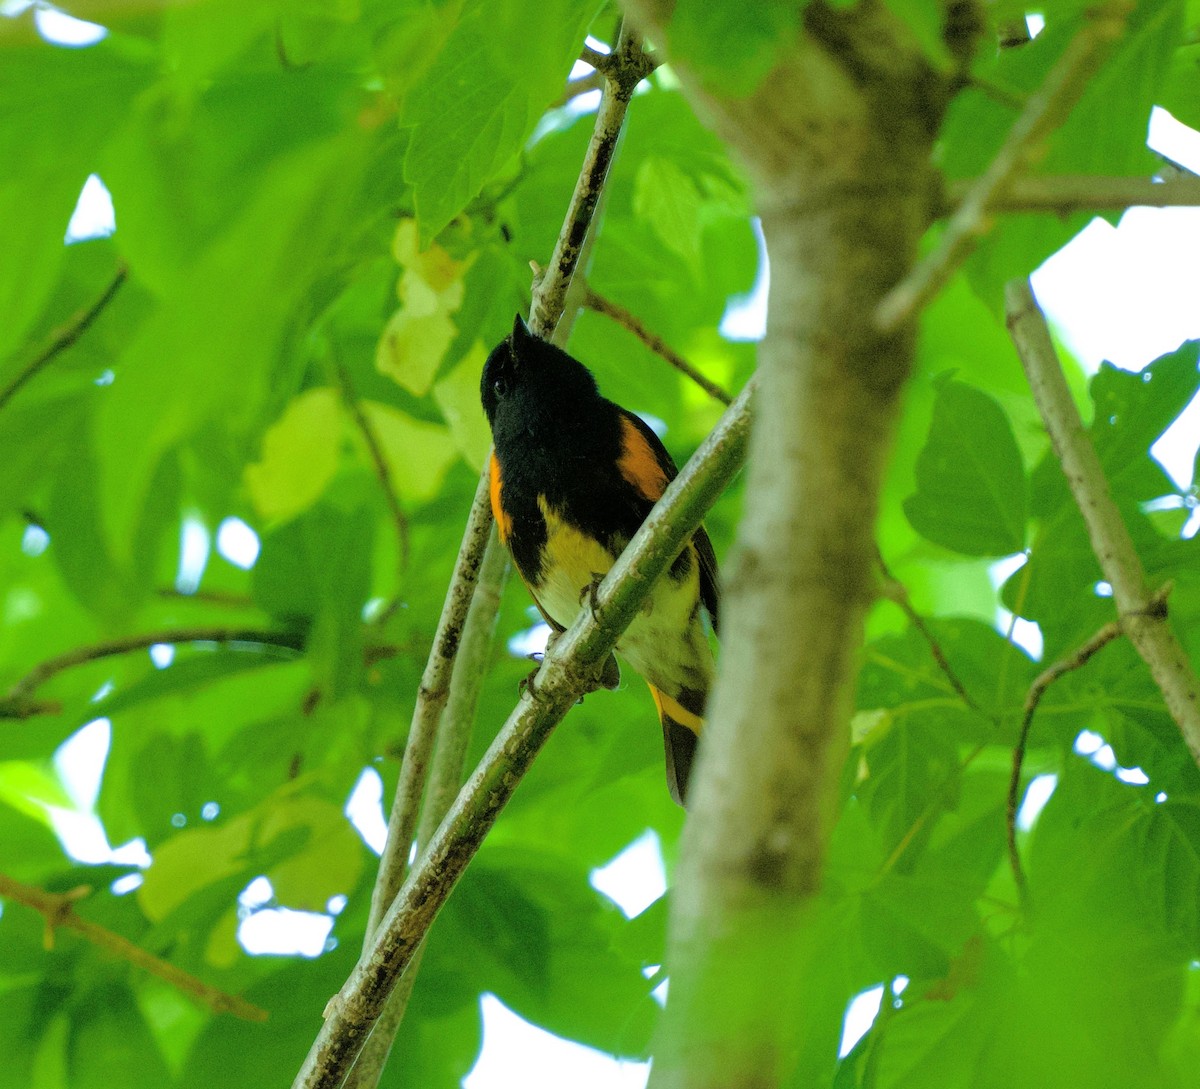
(971,488)
(111,1044)
(300,455)
(731,45)
(665,197)
(494,77)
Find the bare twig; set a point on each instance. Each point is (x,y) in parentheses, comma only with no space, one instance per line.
(895,592)
(566,671)
(1145,625)
(599,61)
(593,300)
(1037,690)
(58,909)
(15,704)
(1063,194)
(375,449)
(63,337)
(1044,113)
(445,778)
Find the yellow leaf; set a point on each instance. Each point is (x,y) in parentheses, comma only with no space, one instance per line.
(417,453)
(412,347)
(457,395)
(300,455)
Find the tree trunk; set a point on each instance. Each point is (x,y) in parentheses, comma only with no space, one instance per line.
(837,140)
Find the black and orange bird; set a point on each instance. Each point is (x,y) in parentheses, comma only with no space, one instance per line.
(573,476)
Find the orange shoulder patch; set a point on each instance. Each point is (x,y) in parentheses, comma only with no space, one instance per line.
(503,522)
(638,464)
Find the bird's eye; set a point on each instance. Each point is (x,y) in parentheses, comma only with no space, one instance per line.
(500,385)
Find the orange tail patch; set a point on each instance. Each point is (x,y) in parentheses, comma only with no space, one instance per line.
(681,730)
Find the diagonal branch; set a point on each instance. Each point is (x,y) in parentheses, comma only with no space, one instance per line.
(593,300)
(58,909)
(18,702)
(1145,624)
(567,670)
(445,779)
(1046,111)
(387,485)
(66,335)
(549,298)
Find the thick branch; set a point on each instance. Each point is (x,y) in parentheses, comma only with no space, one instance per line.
(1146,626)
(1045,112)
(593,300)
(65,336)
(567,671)
(17,704)
(58,909)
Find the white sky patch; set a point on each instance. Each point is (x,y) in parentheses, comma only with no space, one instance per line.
(59,28)
(194,545)
(746,315)
(162,655)
(94,216)
(364,808)
(860,1016)
(1037,794)
(530,641)
(635,878)
(285,933)
(79,761)
(238,543)
(517,1053)
(34,541)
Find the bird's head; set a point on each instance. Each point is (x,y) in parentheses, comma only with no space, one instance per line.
(525,373)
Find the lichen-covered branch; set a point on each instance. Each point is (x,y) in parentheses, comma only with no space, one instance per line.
(445,778)
(58,909)
(1146,626)
(567,670)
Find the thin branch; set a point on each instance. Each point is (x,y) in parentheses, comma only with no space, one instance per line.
(1045,112)
(445,779)
(17,703)
(431,699)
(435,682)
(382,471)
(567,670)
(66,335)
(593,300)
(895,592)
(1145,625)
(593,81)
(1037,690)
(624,68)
(595,58)
(58,909)
(1063,194)
(550,295)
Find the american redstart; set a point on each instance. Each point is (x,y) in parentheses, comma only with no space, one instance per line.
(573,476)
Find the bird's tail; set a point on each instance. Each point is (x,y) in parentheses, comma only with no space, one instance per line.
(682,720)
